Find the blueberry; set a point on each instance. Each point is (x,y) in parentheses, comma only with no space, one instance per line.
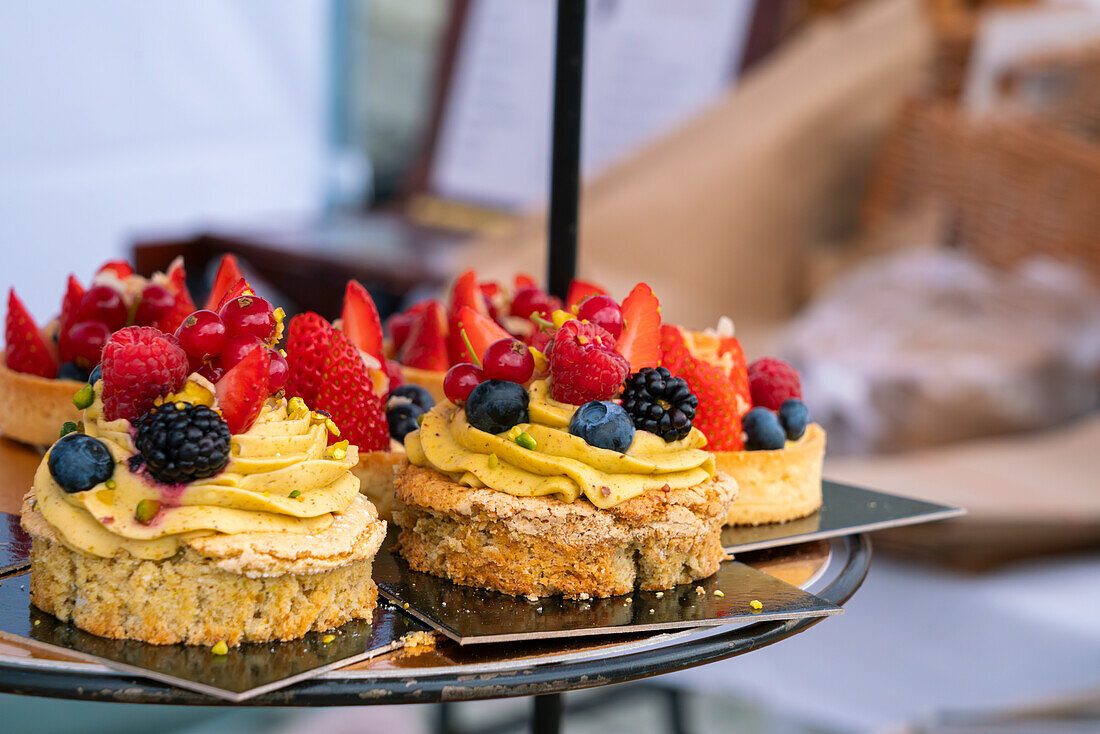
(402,419)
(71,371)
(78,462)
(95,375)
(795,416)
(603,424)
(494,406)
(413,393)
(762,430)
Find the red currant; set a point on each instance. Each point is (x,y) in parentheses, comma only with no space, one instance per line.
(104,304)
(602,311)
(460,381)
(211,371)
(202,335)
(156,303)
(249,315)
(236,347)
(277,372)
(508,359)
(534,300)
(85,342)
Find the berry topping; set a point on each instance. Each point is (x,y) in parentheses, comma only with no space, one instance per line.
(660,403)
(249,315)
(140,364)
(772,381)
(584,365)
(461,380)
(602,311)
(328,373)
(795,417)
(175,280)
(202,335)
(400,326)
(580,290)
(85,342)
(229,273)
(278,371)
(718,414)
(534,300)
(72,371)
(27,351)
(605,425)
(238,289)
(426,346)
(236,347)
(361,322)
(181,442)
(480,331)
(402,419)
(494,406)
(104,304)
(79,462)
(763,431)
(508,359)
(156,304)
(119,268)
(640,342)
(414,394)
(523,280)
(70,305)
(468,294)
(242,389)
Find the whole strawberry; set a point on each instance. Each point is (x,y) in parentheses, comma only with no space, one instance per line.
(584,365)
(309,337)
(717,416)
(27,351)
(140,364)
(772,381)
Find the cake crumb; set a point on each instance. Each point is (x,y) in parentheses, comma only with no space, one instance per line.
(418,642)
(700,591)
(718,593)
(756,605)
(532,597)
(328,638)
(660,595)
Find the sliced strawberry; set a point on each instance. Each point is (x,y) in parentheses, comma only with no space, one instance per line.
(70,305)
(26,351)
(426,346)
(393,371)
(348,396)
(229,272)
(467,294)
(120,268)
(361,322)
(718,415)
(240,288)
(176,282)
(580,290)
(399,325)
(480,330)
(640,341)
(738,373)
(242,390)
(523,280)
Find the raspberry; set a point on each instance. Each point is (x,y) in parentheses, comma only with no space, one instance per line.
(584,365)
(327,372)
(140,364)
(772,381)
(717,415)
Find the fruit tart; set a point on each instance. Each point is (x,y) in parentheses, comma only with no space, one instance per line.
(198,510)
(759,430)
(531,478)
(42,368)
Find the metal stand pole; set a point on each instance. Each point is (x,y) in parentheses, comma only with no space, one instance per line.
(546,716)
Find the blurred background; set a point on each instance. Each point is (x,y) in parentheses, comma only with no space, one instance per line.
(901,197)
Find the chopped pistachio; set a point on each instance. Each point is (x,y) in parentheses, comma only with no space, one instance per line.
(525,440)
(340,450)
(296,406)
(220,649)
(296,493)
(146,510)
(494,462)
(560,317)
(110,484)
(332,427)
(84,397)
(420,420)
(66,428)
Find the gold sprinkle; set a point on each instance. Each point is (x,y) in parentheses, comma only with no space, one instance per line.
(220,649)
(328,638)
(37,622)
(718,593)
(756,605)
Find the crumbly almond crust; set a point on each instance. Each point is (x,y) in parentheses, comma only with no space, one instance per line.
(542,547)
(35,407)
(776,486)
(253,587)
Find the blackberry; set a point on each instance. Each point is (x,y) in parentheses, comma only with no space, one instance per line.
(659,403)
(182,444)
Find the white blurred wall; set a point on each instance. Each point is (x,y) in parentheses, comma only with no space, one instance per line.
(129,115)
